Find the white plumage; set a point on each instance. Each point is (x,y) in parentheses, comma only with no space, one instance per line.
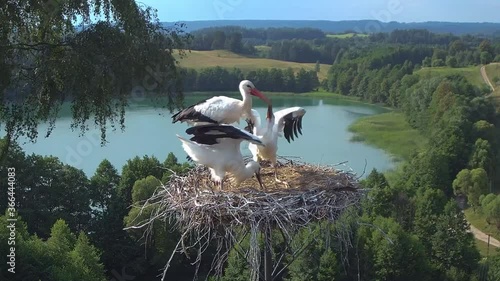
(221,109)
(218,148)
(287,121)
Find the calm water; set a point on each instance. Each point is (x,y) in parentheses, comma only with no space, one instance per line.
(149,131)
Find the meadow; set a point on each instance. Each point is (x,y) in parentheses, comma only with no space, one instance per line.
(471,73)
(390,132)
(227,59)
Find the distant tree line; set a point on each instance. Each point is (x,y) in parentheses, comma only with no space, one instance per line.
(459,55)
(417,37)
(213,38)
(274,79)
(391,48)
(311,45)
(220,40)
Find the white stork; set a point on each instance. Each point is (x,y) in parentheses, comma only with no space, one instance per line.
(221,109)
(287,121)
(218,148)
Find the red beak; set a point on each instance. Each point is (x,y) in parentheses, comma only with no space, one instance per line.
(260,95)
(269,112)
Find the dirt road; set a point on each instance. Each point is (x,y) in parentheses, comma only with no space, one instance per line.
(478,234)
(486,79)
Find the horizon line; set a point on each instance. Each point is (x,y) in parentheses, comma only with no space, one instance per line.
(409,22)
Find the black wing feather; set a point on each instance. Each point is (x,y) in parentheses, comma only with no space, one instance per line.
(189,113)
(293,126)
(299,125)
(210,134)
(287,131)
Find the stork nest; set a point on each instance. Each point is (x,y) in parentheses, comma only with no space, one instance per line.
(298,176)
(204,214)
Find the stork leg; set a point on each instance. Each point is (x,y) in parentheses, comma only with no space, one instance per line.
(259,179)
(218,184)
(276,176)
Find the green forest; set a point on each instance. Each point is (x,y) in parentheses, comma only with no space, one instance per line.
(71,227)
(273,80)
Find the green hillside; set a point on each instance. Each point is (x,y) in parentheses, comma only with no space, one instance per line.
(226,59)
(471,73)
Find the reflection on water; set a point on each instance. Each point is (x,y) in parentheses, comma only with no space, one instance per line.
(149,131)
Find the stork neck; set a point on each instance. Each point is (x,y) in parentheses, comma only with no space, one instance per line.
(270,123)
(243,172)
(247,99)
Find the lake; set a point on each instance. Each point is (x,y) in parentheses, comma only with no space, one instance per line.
(149,131)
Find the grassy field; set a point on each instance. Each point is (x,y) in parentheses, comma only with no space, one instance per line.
(346,35)
(226,59)
(478,220)
(472,73)
(390,132)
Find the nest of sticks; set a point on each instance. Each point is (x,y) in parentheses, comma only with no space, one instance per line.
(205,215)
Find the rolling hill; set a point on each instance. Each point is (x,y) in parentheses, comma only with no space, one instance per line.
(226,59)
(360,26)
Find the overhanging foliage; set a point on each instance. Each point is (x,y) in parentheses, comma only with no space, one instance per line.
(95,54)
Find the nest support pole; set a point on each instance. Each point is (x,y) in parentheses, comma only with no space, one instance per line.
(268,257)
(225,218)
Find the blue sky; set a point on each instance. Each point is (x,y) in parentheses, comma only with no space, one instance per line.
(385,10)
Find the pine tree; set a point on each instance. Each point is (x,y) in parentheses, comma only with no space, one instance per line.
(453,246)
(86,261)
(61,239)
